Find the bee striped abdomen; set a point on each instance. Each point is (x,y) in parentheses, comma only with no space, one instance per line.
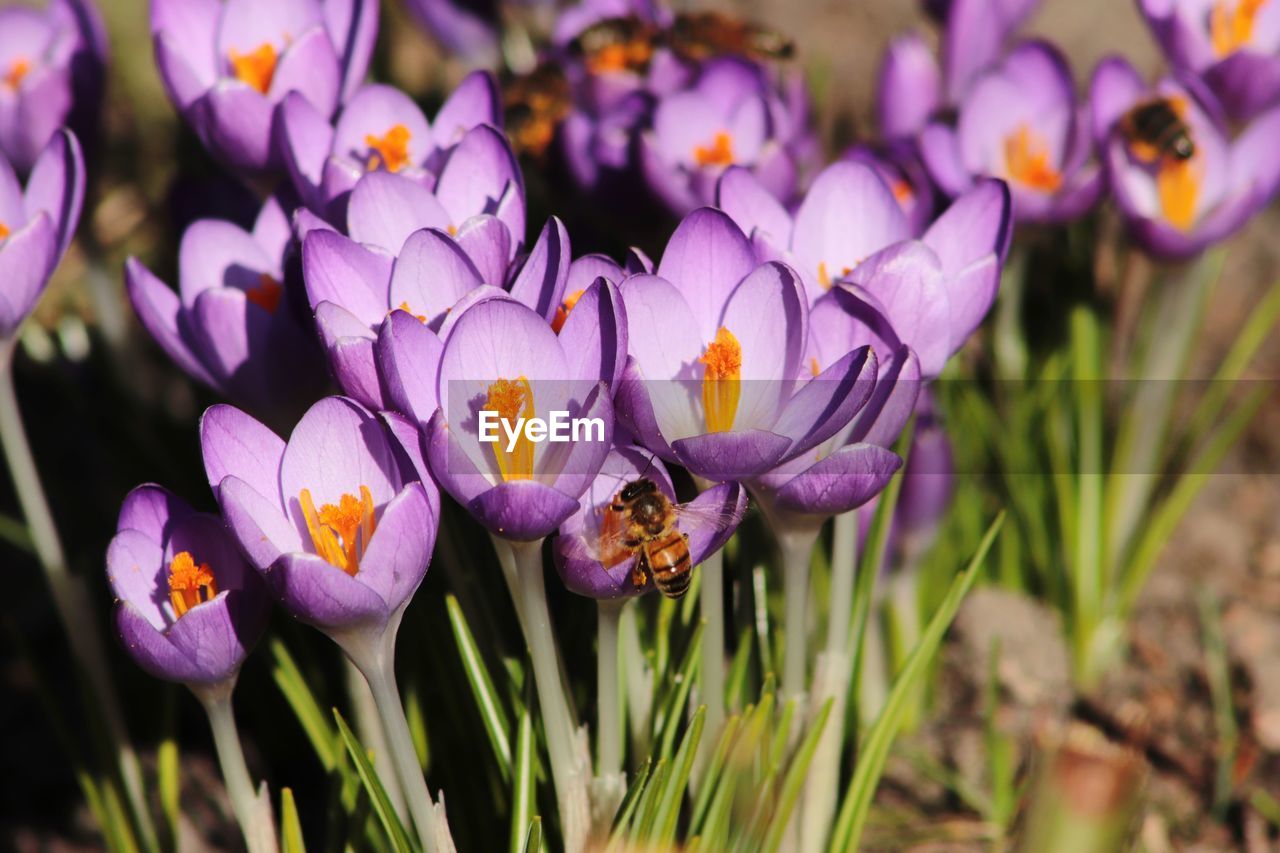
(1157,130)
(670,564)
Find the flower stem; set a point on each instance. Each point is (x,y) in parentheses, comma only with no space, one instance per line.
(374,656)
(568,769)
(797,548)
(369,728)
(70,596)
(252,812)
(639,681)
(610,784)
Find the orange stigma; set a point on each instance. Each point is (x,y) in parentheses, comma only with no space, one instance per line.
(255,68)
(4,231)
(389,151)
(340,533)
(719,153)
(1178,184)
(721,381)
(562,313)
(511,401)
(1026,157)
(189,584)
(1231,24)
(266,293)
(18,69)
(902,192)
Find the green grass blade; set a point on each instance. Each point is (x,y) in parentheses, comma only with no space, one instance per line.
(874,751)
(167,770)
(533,841)
(668,720)
(664,823)
(298,694)
(290,826)
(522,782)
(711,775)
(647,808)
(496,724)
(794,781)
(382,807)
(630,802)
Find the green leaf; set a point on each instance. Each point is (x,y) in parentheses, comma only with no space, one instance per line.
(710,781)
(794,781)
(668,719)
(382,807)
(647,808)
(496,724)
(533,843)
(305,707)
(632,799)
(290,826)
(522,783)
(167,770)
(664,822)
(874,751)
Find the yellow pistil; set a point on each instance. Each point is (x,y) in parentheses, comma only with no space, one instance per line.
(824,276)
(1026,157)
(389,151)
(718,153)
(1231,24)
(562,313)
(266,293)
(340,533)
(189,584)
(18,69)
(721,381)
(422,318)
(257,67)
(512,400)
(1178,184)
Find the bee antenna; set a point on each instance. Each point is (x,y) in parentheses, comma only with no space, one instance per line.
(648,466)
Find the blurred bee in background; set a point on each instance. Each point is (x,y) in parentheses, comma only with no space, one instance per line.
(535,104)
(616,44)
(1157,130)
(697,36)
(642,522)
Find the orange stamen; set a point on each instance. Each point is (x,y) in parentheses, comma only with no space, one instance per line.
(721,381)
(1231,25)
(389,151)
(1178,184)
(824,277)
(422,318)
(719,153)
(814,367)
(18,69)
(189,584)
(257,67)
(631,56)
(266,293)
(562,313)
(512,400)
(1026,157)
(902,192)
(340,533)
(4,231)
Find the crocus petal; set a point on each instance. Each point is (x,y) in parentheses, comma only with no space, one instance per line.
(385,208)
(353,28)
(725,500)
(408,356)
(477,174)
(27,259)
(737,455)
(339,270)
(1247,83)
(309,66)
(184,55)
(940,151)
(324,596)
(152,510)
(978,223)
(665,344)
(235,444)
(215,637)
(216,254)
(134,561)
(892,403)
(56,186)
(825,404)
(235,122)
(909,89)
(489,243)
(571,466)
(705,259)
(431,274)
(396,558)
(594,335)
(257,522)
(158,308)
(306,138)
(1116,87)
(907,281)
(840,482)
(741,195)
(232,336)
(373,112)
(522,510)
(476,101)
(540,282)
(349,344)
(151,649)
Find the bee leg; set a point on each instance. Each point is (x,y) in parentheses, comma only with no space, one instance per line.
(640,571)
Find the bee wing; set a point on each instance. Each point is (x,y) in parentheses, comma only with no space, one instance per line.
(607,548)
(721,517)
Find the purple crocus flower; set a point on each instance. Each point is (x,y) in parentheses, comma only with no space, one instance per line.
(928,482)
(1233,45)
(226,64)
(1020,121)
(717,346)
(850,214)
(467,28)
(1177,207)
(337,519)
(974,37)
(52,67)
(231,324)
(730,116)
(359,294)
(909,89)
(36,225)
(709,522)
(379,129)
(900,168)
(190,608)
(501,360)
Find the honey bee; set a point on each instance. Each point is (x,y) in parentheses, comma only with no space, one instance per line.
(643,522)
(696,36)
(1157,130)
(616,44)
(535,104)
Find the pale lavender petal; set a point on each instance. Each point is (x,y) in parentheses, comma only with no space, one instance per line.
(233,443)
